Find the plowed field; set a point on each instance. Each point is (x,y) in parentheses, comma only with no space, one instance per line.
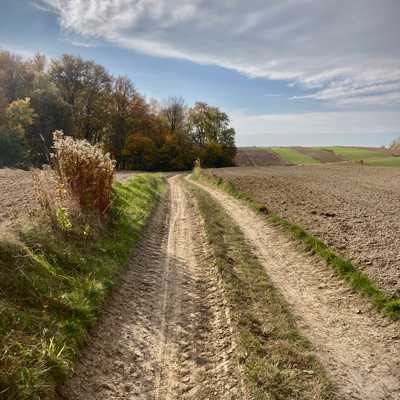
(17,194)
(353,208)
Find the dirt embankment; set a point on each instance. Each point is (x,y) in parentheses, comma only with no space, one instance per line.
(353,208)
(359,349)
(165,333)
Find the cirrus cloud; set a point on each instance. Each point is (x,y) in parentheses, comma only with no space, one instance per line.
(339,51)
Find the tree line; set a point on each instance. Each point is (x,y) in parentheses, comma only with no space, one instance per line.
(83,100)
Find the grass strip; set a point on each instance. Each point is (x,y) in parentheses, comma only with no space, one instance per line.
(52,287)
(278,363)
(361,283)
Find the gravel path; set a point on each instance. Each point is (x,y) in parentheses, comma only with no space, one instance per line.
(359,349)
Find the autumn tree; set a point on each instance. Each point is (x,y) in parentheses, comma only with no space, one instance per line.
(86,86)
(53,113)
(175,113)
(210,131)
(83,100)
(15,80)
(123,93)
(140,152)
(19,116)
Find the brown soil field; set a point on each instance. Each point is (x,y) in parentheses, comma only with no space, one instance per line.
(17,194)
(358,348)
(322,155)
(351,207)
(257,157)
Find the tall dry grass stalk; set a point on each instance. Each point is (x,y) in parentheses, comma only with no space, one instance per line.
(52,195)
(85,171)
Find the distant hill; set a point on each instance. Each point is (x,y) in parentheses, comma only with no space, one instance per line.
(265,156)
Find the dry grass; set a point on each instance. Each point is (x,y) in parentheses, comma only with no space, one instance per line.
(85,171)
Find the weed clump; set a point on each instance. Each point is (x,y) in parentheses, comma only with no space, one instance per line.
(75,192)
(85,171)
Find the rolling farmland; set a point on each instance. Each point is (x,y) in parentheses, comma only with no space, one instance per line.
(264,156)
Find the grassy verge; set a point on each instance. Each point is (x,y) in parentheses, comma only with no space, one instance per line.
(360,282)
(277,361)
(52,287)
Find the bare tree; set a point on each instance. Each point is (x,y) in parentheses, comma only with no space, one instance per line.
(175,113)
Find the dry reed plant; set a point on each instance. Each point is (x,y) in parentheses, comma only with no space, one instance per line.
(84,171)
(54,200)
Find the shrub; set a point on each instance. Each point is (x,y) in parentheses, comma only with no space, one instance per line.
(84,171)
(395,147)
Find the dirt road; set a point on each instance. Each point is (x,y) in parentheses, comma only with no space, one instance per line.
(166,330)
(165,333)
(359,349)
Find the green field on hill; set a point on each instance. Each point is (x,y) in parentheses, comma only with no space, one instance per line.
(384,162)
(315,155)
(358,153)
(293,156)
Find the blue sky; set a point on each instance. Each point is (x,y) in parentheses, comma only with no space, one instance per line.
(288,72)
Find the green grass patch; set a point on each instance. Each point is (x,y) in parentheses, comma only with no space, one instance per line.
(384,162)
(277,361)
(358,153)
(292,156)
(52,287)
(361,283)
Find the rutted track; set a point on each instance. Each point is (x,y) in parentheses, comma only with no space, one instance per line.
(165,333)
(359,349)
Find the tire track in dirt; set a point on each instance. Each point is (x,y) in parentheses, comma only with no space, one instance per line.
(359,349)
(165,332)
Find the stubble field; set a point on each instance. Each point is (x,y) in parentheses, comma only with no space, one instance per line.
(353,208)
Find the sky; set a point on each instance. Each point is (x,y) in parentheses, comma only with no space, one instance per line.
(287,72)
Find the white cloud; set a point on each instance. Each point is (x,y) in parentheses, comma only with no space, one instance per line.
(78,43)
(342,51)
(318,128)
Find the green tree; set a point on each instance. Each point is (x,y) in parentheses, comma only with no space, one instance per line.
(16,78)
(176,153)
(19,116)
(12,149)
(140,152)
(123,98)
(52,113)
(210,130)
